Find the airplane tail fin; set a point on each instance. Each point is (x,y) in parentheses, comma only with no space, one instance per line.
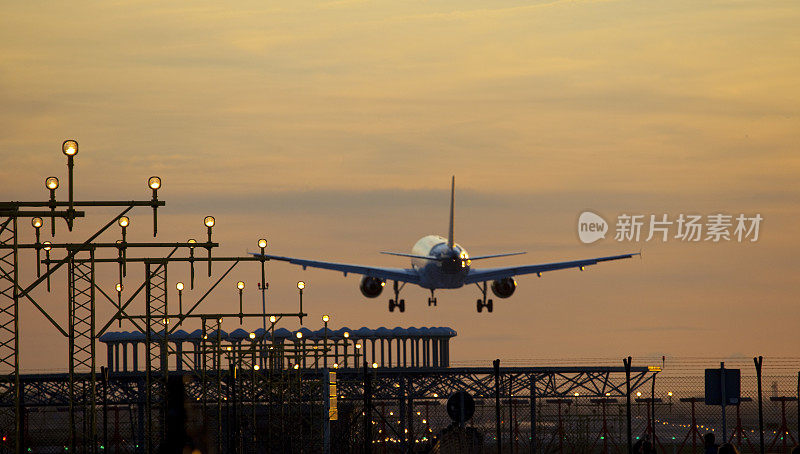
(450,239)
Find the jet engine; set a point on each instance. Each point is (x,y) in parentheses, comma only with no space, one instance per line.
(503,288)
(371,287)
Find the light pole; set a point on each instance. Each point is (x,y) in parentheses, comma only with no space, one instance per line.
(124,222)
(179,286)
(209,221)
(240,286)
(70,149)
(191,262)
(262,244)
(300,286)
(37,225)
(51,183)
(273,353)
(346,336)
(154,183)
(301,349)
(325,319)
(119,287)
(47,247)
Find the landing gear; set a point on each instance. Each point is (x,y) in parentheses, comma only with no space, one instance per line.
(401,305)
(397,302)
(481,303)
(432,299)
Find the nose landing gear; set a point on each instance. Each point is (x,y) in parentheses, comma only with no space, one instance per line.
(432,299)
(488,304)
(397,302)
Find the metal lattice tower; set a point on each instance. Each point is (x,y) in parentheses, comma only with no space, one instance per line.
(157,324)
(9,328)
(82,349)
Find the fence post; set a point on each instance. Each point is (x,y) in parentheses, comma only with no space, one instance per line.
(627,363)
(653,409)
(367,408)
(758,362)
(533,414)
(723,400)
(510,414)
(401,408)
(498,433)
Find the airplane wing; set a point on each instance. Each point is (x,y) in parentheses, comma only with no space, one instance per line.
(395,274)
(490,274)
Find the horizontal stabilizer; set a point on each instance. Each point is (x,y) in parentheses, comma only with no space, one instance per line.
(400,254)
(506,254)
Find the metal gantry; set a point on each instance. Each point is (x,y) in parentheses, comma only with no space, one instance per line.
(274,377)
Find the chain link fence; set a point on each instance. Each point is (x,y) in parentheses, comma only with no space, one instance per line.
(287,413)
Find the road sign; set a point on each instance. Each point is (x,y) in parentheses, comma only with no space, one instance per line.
(461,407)
(714,386)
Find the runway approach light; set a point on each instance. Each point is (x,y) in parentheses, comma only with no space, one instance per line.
(209,221)
(301,285)
(154,183)
(51,183)
(69,147)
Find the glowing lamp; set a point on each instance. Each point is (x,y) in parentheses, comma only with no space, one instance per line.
(273,319)
(325,318)
(262,243)
(36,222)
(51,183)
(124,221)
(119,287)
(70,147)
(209,221)
(240,285)
(179,286)
(154,182)
(301,285)
(47,246)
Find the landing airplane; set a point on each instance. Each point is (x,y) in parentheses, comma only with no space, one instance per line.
(440,263)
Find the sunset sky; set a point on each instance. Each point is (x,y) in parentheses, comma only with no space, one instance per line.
(332,129)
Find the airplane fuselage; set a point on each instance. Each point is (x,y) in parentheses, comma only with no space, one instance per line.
(437,273)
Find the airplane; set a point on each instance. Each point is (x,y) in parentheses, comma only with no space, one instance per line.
(441,263)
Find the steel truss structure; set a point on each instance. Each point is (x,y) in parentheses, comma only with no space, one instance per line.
(228,388)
